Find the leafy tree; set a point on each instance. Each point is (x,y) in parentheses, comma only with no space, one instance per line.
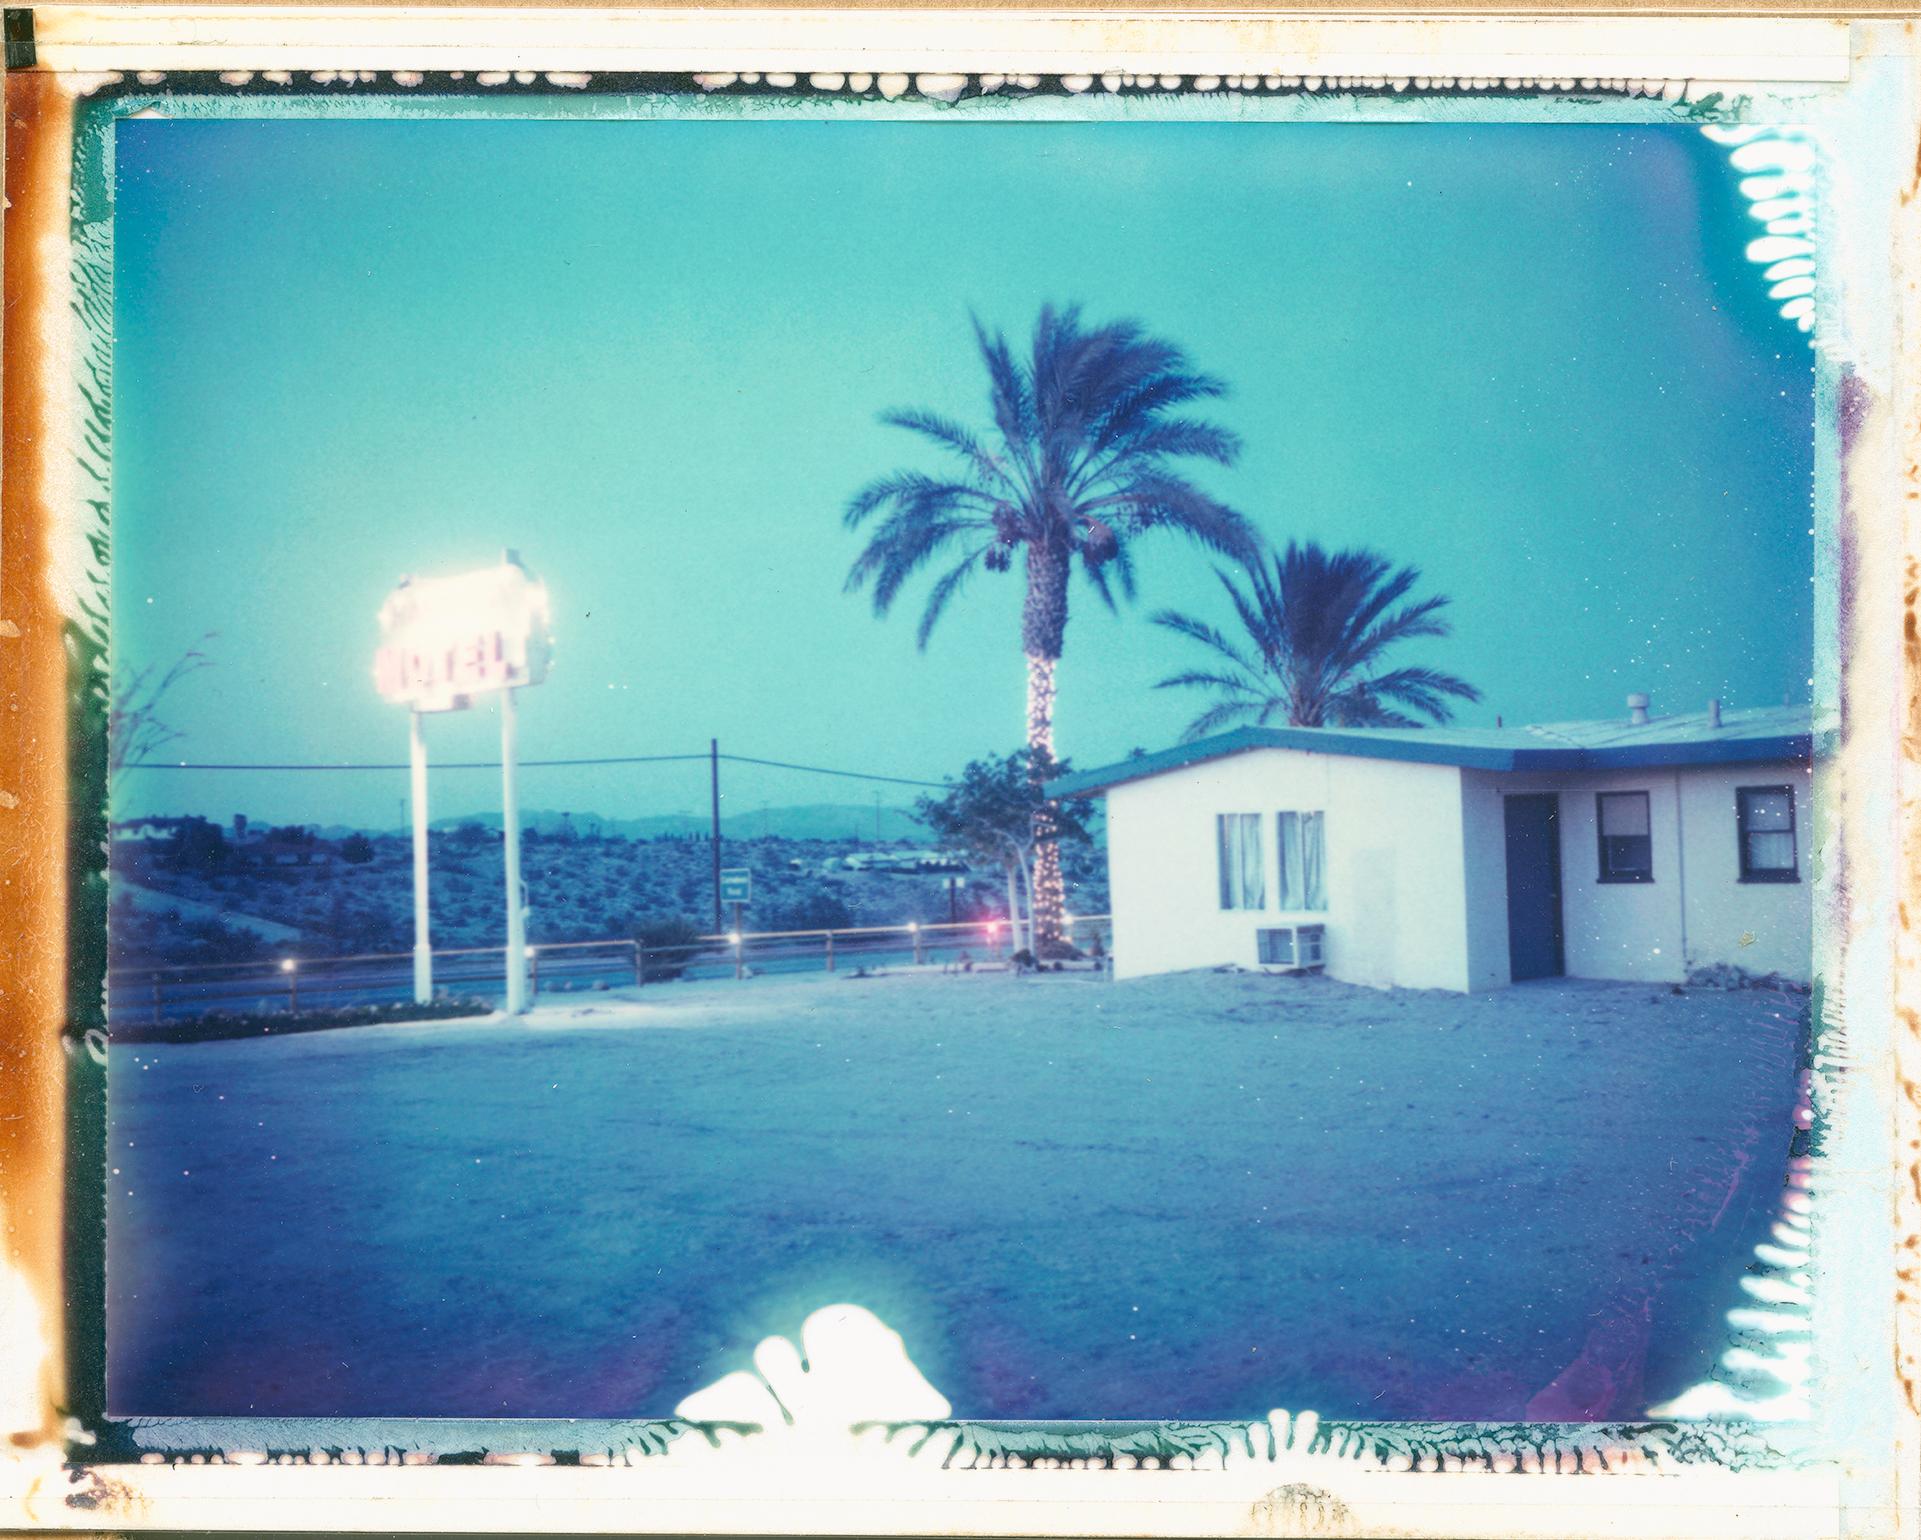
(1084,457)
(199,846)
(993,813)
(356,850)
(471,836)
(1316,628)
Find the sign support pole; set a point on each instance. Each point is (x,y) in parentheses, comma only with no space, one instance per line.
(510,830)
(423,946)
(713,839)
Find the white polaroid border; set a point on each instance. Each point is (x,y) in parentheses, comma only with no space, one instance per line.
(837,1464)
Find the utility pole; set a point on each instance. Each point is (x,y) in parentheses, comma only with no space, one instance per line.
(713,771)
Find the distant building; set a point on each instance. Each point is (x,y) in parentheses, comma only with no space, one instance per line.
(1439,858)
(292,846)
(916,861)
(148,831)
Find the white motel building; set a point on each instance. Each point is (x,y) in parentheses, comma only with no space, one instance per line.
(1457,858)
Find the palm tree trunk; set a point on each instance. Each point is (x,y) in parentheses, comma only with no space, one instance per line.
(1043,629)
(1049,900)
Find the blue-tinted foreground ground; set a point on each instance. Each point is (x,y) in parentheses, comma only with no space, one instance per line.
(1200,1196)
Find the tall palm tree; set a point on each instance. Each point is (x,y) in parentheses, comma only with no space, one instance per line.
(1088,430)
(1318,627)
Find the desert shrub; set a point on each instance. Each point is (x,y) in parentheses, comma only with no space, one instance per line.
(152,938)
(215,1025)
(816,910)
(1730,976)
(669,942)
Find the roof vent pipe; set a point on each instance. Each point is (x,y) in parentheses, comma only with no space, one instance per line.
(1638,709)
(1714,714)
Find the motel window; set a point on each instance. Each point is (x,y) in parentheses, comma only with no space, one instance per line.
(1766,818)
(1243,873)
(1627,847)
(1303,860)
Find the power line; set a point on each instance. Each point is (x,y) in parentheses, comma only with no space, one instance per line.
(855,775)
(547,764)
(451,764)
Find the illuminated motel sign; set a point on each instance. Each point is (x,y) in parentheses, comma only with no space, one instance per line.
(444,641)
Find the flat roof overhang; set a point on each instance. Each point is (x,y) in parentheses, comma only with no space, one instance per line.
(1418,749)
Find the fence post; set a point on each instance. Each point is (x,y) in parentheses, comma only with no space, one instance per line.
(920,953)
(830,951)
(640,963)
(156,999)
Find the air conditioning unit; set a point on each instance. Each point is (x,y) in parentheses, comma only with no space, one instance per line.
(1293,947)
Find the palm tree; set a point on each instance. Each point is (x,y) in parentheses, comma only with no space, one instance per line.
(1318,627)
(1082,458)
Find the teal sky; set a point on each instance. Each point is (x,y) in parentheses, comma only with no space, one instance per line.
(1530,360)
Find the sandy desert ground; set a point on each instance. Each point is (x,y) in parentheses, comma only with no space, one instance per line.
(1203,1195)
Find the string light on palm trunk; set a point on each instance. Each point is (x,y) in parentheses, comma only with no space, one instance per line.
(1040,704)
(1050,891)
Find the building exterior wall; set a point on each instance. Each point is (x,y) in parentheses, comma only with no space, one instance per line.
(1694,912)
(1484,873)
(1610,930)
(1395,866)
(1764,927)
(1416,872)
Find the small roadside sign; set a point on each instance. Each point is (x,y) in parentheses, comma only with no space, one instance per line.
(735,885)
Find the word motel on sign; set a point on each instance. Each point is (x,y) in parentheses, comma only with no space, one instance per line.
(446,640)
(463,667)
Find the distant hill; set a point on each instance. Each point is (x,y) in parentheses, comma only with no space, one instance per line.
(809,821)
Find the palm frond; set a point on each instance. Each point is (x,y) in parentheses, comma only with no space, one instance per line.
(1123,565)
(1140,403)
(1408,623)
(1155,500)
(899,549)
(1177,437)
(1200,631)
(1010,396)
(1212,720)
(1088,434)
(912,492)
(1355,707)
(951,583)
(1200,677)
(1426,690)
(952,436)
(1319,621)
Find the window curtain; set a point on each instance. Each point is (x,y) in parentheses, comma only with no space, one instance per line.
(1253,868)
(1303,861)
(1238,842)
(1313,861)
